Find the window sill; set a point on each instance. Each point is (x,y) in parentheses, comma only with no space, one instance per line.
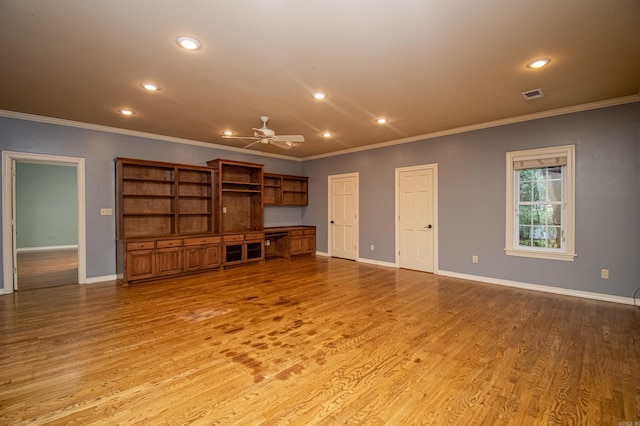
(567,257)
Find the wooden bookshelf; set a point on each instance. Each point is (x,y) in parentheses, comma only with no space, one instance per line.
(285,190)
(239,203)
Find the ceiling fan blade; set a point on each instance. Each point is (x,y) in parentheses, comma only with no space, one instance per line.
(251,144)
(289,138)
(241,137)
(283,145)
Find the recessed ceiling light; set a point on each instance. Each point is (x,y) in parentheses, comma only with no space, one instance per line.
(538,63)
(126,112)
(189,43)
(150,86)
(227,133)
(382,120)
(327,134)
(319,95)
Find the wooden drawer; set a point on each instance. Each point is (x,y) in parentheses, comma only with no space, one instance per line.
(168,243)
(234,237)
(202,240)
(141,245)
(297,232)
(309,232)
(254,236)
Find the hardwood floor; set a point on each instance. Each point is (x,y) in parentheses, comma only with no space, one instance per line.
(47,268)
(316,340)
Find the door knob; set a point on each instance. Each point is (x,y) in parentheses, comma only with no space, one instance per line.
(331,221)
(429,226)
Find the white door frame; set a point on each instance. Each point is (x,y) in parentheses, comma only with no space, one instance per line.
(8,157)
(356,176)
(434,167)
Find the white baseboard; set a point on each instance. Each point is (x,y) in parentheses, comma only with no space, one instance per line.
(321,253)
(543,288)
(75,246)
(95,280)
(377,262)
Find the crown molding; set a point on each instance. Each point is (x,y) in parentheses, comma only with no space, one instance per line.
(116,130)
(487,125)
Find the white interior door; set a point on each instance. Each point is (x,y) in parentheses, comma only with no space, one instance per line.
(343,216)
(416,223)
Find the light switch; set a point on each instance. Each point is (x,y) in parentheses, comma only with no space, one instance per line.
(106,212)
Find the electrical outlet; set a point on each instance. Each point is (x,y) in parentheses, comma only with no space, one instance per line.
(224,210)
(106,212)
(267,243)
(372,247)
(604,274)
(474,259)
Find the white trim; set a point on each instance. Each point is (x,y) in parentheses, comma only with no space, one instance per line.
(487,125)
(45,248)
(542,288)
(322,253)
(116,130)
(377,262)
(356,176)
(541,254)
(7,247)
(96,280)
(398,170)
(569,187)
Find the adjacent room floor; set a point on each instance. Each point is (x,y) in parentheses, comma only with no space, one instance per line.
(47,268)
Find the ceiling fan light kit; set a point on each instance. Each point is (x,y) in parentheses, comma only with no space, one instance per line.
(265,135)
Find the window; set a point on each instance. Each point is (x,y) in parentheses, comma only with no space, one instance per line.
(540,203)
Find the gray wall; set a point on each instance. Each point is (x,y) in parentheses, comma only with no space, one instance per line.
(46,205)
(471,191)
(471,202)
(99,149)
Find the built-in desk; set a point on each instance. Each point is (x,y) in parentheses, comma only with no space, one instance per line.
(287,241)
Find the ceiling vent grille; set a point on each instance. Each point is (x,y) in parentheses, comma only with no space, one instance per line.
(533,94)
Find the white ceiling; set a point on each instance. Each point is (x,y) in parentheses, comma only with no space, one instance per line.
(428,65)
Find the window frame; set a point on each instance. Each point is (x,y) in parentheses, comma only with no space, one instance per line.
(567,253)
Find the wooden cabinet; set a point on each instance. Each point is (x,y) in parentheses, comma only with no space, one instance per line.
(285,190)
(243,248)
(287,241)
(202,253)
(302,241)
(174,219)
(239,204)
(151,259)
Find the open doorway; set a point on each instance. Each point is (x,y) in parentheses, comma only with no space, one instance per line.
(46,201)
(43,221)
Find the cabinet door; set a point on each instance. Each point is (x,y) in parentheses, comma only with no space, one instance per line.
(193,258)
(303,244)
(140,264)
(309,244)
(169,261)
(297,245)
(212,255)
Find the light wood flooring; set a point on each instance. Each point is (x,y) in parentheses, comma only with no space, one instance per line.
(315,340)
(47,268)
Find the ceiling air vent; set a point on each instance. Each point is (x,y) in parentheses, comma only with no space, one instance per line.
(533,94)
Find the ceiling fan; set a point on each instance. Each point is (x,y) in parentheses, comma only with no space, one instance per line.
(266,136)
